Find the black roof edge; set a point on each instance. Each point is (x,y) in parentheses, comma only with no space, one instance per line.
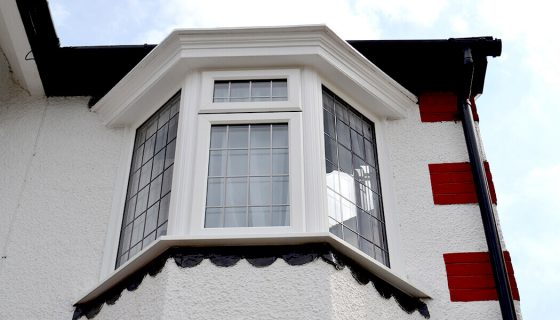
(418,65)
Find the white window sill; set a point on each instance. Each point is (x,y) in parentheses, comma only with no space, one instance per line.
(165,242)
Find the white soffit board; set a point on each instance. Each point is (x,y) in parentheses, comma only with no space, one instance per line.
(15,45)
(186,50)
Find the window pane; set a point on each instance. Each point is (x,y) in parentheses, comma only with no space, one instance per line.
(367,247)
(237,163)
(164,209)
(163,118)
(167,180)
(335,228)
(280,216)
(137,159)
(147,184)
(138,229)
(357,144)
(133,184)
(214,218)
(259,217)
(158,162)
(148,239)
(142,201)
(170,154)
(341,111)
(350,236)
(161,138)
(149,148)
(238,136)
(260,162)
(260,88)
(279,135)
(345,160)
(145,174)
(239,90)
(218,137)
(235,217)
(221,89)
(328,122)
(215,194)
(343,134)
(217,163)
(280,161)
(280,88)
(333,201)
(353,187)
(259,191)
(330,150)
(172,132)
(151,219)
(155,190)
(236,192)
(129,210)
(328,102)
(355,122)
(333,181)
(280,190)
(349,215)
(260,136)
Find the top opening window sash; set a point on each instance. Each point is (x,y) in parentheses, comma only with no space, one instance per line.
(250,90)
(267,90)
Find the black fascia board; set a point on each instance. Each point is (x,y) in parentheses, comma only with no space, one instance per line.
(418,65)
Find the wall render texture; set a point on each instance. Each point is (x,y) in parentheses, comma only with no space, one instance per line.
(57,167)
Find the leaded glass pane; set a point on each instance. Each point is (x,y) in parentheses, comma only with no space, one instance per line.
(353,188)
(148,194)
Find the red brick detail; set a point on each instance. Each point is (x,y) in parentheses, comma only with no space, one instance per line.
(452,183)
(441,106)
(470,278)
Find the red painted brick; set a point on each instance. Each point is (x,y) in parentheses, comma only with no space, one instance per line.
(468,295)
(470,277)
(452,183)
(441,106)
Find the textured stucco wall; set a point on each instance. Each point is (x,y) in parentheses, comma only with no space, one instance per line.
(279,291)
(57,168)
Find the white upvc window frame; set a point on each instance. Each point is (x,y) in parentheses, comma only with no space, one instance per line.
(295,156)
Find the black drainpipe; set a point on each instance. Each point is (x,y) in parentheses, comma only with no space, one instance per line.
(483,192)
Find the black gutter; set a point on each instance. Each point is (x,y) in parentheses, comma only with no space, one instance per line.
(497,260)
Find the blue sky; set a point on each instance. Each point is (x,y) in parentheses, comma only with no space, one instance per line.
(519,112)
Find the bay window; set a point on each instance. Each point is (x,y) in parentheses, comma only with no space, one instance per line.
(261,152)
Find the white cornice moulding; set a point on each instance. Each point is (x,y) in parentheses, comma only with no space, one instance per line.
(160,74)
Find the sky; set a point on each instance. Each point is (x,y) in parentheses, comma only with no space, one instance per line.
(519,110)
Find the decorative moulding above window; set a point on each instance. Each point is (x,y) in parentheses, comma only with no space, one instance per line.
(163,70)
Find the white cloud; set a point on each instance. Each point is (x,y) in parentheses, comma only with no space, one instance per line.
(346,20)
(423,13)
(459,25)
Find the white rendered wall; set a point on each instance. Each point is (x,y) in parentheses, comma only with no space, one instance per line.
(280,291)
(57,168)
